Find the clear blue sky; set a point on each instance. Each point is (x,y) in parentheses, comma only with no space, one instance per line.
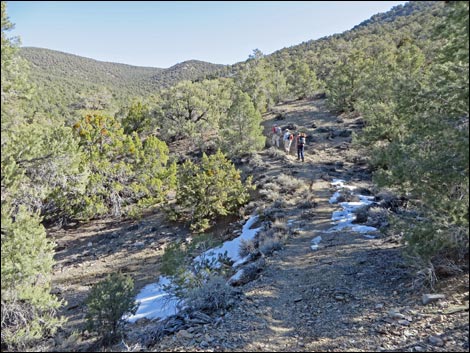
(164,33)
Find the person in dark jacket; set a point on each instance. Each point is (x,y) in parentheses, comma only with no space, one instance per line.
(301,140)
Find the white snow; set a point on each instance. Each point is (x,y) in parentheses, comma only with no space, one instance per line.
(236,276)
(155,303)
(335,197)
(315,242)
(343,219)
(340,183)
(232,246)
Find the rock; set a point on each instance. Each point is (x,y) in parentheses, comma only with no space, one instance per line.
(396,315)
(430,298)
(139,244)
(184,334)
(322,129)
(436,341)
(404,322)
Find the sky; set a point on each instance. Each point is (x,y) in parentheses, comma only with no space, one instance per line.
(164,33)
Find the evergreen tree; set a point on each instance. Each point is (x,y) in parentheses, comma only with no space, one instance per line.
(28,308)
(123,168)
(302,80)
(419,137)
(241,131)
(207,190)
(253,80)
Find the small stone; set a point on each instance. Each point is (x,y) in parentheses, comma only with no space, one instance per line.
(184,334)
(396,315)
(379,306)
(139,244)
(339,297)
(404,322)
(418,349)
(436,341)
(429,298)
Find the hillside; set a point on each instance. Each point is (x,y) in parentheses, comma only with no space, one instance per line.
(413,20)
(66,82)
(66,79)
(350,292)
(58,65)
(119,197)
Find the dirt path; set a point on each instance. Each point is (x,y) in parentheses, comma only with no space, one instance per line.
(352,294)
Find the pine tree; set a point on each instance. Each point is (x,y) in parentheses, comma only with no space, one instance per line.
(124,169)
(207,190)
(241,130)
(28,164)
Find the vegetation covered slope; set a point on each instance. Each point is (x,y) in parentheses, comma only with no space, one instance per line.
(68,82)
(67,155)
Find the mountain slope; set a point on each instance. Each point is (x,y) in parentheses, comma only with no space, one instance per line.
(64,81)
(58,65)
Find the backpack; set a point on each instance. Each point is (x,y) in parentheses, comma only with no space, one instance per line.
(302,140)
(291,137)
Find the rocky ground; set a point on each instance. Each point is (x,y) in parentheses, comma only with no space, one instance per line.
(351,294)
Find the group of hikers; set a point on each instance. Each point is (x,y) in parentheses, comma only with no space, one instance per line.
(299,139)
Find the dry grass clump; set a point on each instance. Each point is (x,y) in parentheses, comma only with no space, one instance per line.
(288,184)
(377,217)
(256,161)
(247,247)
(273,238)
(275,152)
(270,191)
(213,295)
(279,226)
(307,203)
(268,246)
(273,213)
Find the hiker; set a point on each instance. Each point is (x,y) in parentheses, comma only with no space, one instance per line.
(276,131)
(301,139)
(288,137)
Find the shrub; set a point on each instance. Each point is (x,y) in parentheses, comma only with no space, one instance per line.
(207,190)
(127,173)
(289,184)
(178,254)
(276,153)
(173,258)
(268,246)
(107,302)
(212,295)
(247,247)
(28,308)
